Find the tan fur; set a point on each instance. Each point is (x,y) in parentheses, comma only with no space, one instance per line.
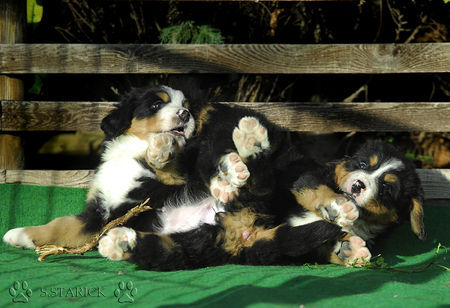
(63,231)
(164,96)
(379,213)
(340,175)
(313,199)
(390,178)
(168,175)
(141,128)
(334,259)
(236,224)
(373,160)
(416,217)
(203,117)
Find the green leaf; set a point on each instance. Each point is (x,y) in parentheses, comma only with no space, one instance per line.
(37,85)
(34,11)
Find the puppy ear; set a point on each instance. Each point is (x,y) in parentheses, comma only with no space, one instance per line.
(416,218)
(115,124)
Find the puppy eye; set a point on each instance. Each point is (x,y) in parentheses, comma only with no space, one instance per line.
(156,106)
(362,165)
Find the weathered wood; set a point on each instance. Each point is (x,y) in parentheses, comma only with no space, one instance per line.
(436,182)
(63,178)
(318,117)
(12,30)
(234,58)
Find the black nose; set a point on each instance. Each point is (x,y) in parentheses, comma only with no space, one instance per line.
(356,188)
(184,115)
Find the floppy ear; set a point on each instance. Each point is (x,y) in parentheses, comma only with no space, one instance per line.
(416,218)
(115,123)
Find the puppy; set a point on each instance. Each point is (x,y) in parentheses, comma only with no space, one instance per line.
(366,194)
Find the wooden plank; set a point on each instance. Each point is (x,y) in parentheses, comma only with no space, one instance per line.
(62,178)
(436,183)
(12,30)
(227,58)
(317,117)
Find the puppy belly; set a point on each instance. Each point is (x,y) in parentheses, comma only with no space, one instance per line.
(188,216)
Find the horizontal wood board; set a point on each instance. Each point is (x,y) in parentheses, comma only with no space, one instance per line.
(317,117)
(436,183)
(225,58)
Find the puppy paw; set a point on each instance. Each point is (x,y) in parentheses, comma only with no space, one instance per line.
(342,211)
(250,137)
(162,148)
(233,174)
(116,244)
(18,238)
(354,252)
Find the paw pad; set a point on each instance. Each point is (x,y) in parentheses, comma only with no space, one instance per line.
(233,174)
(161,150)
(250,137)
(116,243)
(354,252)
(342,211)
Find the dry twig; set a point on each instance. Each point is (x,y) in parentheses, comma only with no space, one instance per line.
(48,250)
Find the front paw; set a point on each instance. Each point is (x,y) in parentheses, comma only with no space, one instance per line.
(18,238)
(117,243)
(341,211)
(162,149)
(233,174)
(354,252)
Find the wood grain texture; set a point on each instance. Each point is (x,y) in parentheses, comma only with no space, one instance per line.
(436,183)
(232,58)
(62,178)
(317,117)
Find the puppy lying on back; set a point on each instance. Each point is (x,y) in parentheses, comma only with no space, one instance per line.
(151,151)
(366,194)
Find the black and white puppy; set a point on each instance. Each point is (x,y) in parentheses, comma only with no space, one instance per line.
(367,194)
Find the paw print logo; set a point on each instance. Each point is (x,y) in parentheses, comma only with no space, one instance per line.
(126,292)
(20,292)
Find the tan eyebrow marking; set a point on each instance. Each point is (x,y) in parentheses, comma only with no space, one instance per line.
(373,160)
(164,96)
(390,178)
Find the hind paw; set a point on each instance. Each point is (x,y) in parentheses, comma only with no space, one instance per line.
(116,243)
(354,252)
(250,137)
(233,174)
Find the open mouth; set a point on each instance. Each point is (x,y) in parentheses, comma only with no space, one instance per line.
(178,131)
(355,189)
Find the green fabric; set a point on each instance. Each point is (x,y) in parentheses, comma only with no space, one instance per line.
(66,280)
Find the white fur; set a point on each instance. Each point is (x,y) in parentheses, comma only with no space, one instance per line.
(307,218)
(109,247)
(250,137)
(119,171)
(370,180)
(18,238)
(184,214)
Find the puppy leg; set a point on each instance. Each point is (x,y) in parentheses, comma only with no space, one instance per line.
(250,137)
(64,231)
(232,175)
(326,203)
(162,149)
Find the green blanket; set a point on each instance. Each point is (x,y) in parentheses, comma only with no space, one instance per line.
(90,280)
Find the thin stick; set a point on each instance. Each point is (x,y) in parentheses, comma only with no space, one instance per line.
(48,250)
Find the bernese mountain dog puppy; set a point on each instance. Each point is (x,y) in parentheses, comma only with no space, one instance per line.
(366,194)
(193,171)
